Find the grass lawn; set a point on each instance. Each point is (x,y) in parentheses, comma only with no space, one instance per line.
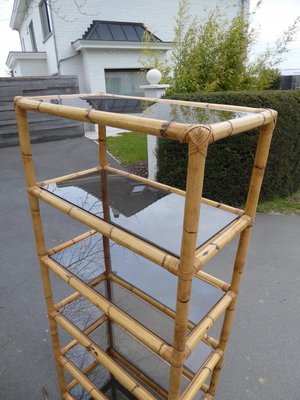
(128,147)
(289,205)
(131,147)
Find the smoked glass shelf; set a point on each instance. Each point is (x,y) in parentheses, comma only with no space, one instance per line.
(142,307)
(140,209)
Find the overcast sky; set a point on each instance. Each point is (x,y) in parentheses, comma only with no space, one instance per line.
(273,17)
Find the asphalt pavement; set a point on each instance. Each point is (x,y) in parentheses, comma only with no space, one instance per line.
(263,358)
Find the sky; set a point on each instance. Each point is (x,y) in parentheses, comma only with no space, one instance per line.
(272,18)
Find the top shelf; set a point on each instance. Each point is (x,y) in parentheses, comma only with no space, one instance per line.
(156,109)
(174,119)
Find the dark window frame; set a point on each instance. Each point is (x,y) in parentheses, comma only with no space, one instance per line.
(46,22)
(32,37)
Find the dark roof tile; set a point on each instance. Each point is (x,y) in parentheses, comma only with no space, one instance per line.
(117,31)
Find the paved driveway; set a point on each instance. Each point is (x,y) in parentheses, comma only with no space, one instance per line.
(263,359)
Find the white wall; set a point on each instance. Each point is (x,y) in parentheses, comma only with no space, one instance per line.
(95,61)
(30,68)
(74,66)
(33,14)
(158,16)
(70,23)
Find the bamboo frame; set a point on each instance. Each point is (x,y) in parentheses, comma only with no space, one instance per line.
(202,375)
(82,379)
(150,126)
(195,176)
(39,237)
(260,161)
(152,253)
(157,345)
(126,380)
(140,179)
(186,267)
(85,371)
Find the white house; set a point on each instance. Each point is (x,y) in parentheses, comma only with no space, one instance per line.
(98,40)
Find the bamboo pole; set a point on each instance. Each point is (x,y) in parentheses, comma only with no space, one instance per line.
(69,243)
(82,379)
(161,307)
(39,237)
(208,397)
(106,216)
(75,295)
(150,126)
(262,151)
(86,371)
(214,343)
(171,189)
(142,376)
(87,331)
(155,127)
(201,376)
(73,175)
(165,260)
(224,107)
(232,127)
(68,396)
(207,251)
(212,280)
(146,181)
(209,320)
(197,154)
(144,296)
(124,378)
(156,344)
(155,303)
(126,239)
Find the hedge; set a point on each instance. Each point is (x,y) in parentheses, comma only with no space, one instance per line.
(229,161)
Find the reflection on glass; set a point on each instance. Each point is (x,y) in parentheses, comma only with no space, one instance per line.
(185,114)
(150,213)
(140,272)
(126,264)
(132,351)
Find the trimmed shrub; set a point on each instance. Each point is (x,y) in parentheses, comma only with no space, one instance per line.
(229,161)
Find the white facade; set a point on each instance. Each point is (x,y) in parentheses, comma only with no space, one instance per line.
(67,53)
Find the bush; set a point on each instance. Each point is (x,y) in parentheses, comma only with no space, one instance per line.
(229,161)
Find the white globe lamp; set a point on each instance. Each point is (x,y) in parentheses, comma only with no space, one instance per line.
(153,76)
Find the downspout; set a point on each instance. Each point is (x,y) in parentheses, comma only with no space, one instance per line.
(54,39)
(58,61)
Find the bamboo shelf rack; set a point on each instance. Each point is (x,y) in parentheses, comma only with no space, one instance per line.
(142,306)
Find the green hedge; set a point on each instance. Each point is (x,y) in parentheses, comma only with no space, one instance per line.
(229,161)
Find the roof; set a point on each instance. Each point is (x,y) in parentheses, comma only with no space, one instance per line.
(117,31)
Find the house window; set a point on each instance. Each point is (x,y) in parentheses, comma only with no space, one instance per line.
(125,81)
(32,37)
(45,18)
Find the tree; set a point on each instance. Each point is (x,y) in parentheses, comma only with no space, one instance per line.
(214,55)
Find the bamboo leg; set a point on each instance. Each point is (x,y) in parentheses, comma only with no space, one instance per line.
(263,146)
(197,154)
(39,238)
(106,216)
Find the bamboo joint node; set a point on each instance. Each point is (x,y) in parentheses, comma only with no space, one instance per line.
(198,135)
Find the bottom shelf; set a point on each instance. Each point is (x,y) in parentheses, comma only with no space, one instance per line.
(151,372)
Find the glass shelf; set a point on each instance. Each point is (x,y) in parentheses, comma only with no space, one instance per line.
(172,112)
(85,259)
(133,352)
(152,214)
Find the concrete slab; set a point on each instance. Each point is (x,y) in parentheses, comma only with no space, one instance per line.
(262,361)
